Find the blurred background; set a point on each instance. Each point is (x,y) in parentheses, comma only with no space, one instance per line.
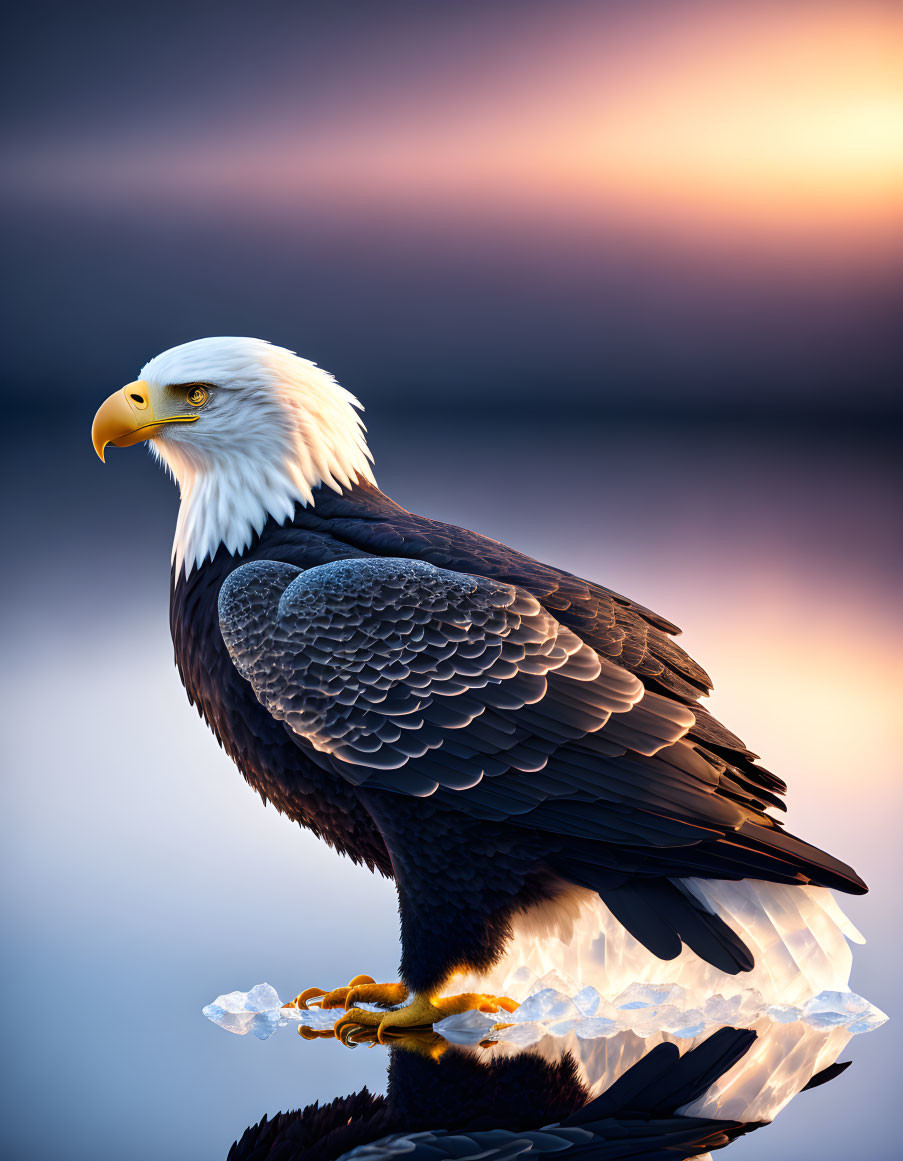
(619,284)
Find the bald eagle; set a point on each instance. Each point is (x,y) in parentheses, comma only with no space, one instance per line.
(521,750)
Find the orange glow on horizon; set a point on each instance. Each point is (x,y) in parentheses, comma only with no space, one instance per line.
(771,116)
(772,120)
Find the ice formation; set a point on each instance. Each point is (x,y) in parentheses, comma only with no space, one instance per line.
(256,1011)
(260,1012)
(557,1006)
(607,1037)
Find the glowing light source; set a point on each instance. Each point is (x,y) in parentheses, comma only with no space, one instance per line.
(760,117)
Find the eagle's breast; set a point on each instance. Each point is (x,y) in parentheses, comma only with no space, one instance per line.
(270,761)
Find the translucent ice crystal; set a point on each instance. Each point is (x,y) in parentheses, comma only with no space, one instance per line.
(548,1005)
(521,983)
(594,1028)
(258,1011)
(587,1001)
(467,1027)
(783,1013)
(648,1021)
(736,1009)
(685,1025)
(317,1018)
(523,1035)
(832,1009)
(650,995)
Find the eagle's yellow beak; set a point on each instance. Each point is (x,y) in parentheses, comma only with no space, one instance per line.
(128,417)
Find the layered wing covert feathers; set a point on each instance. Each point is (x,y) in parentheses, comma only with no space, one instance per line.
(413,677)
(617,627)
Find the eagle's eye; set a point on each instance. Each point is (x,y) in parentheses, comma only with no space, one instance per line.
(197,395)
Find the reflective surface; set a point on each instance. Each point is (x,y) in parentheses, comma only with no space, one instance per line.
(624,1096)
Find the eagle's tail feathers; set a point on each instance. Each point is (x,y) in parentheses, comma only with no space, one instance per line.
(797,936)
(663,916)
(819,867)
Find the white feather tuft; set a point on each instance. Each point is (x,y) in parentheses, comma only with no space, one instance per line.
(797,935)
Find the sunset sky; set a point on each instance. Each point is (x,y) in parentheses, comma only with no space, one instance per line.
(672,201)
(769,116)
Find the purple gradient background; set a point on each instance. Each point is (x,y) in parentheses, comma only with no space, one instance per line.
(691,397)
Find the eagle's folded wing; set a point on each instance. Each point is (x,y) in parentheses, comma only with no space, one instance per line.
(401,675)
(413,677)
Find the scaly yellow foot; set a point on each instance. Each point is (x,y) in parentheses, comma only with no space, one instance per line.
(422,1041)
(364,989)
(422,1012)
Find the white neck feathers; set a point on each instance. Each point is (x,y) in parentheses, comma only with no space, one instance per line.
(276,427)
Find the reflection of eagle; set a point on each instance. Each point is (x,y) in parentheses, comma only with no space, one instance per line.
(502,738)
(464,1107)
(604,1100)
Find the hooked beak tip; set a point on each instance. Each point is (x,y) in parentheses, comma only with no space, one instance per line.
(117,419)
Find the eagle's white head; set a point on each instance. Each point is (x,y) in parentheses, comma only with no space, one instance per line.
(247,429)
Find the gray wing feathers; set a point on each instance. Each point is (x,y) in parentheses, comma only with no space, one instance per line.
(247,604)
(381,662)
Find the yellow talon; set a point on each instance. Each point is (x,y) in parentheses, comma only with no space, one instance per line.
(359,1024)
(314,1033)
(474,1001)
(422,1041)
(301,1000)
(387,995)
(330,999)
(422,1012)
